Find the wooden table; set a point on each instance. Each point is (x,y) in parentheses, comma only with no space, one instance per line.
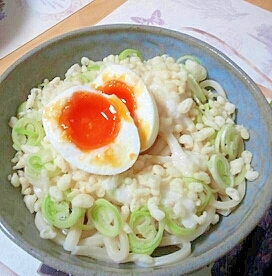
(88,16)
(265,4)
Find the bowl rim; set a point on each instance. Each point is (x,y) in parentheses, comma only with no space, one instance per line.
(221,248)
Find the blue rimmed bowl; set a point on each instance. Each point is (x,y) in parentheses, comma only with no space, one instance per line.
(53,58)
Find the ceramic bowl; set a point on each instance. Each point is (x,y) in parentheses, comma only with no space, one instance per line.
(53,58)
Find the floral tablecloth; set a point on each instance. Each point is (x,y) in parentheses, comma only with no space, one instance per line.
(240,30)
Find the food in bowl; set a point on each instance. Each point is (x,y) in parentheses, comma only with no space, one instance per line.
(185,162)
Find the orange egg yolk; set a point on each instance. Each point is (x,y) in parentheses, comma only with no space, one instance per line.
(89,120)
(123,92)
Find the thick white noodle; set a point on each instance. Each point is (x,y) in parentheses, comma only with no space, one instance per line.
(182,253)
(47,231)
(94,240)
(174,240)
(159,160)
(72,238)
(158,147)
(186,162)
(140,259)
(117,247)
(228,205)
(95,252)
(179,157)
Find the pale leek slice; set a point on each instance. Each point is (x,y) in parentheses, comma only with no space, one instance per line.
(129,53)
(205,196)
(60,214)
(229,142)
(220,170)
(146,232)
(106,218)
(196,89)
(27,131)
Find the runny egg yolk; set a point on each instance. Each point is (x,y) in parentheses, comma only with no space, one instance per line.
(123,92)
(89,120)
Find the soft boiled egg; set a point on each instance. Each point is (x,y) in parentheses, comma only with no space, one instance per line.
(125,84)
(92,131)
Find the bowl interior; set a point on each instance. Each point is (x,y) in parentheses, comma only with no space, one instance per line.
(54,58)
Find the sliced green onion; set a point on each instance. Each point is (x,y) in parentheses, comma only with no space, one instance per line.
(207,107)
(220,170)
(27,131)
(86,224)
(129,53)
(214,85)
(85,77)
(185,57)
(93,67)
(60,214)
(229,142)
(240,177)
(21,109)
(38,161)
(34,163)
(79,77)
(196,89)
(91,73)
(89,76)
(177,229)
(106,218)
(144,237)
(270,103)
(205,196)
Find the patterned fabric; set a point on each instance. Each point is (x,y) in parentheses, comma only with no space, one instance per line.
(45,270)
(2,13)
(253,256)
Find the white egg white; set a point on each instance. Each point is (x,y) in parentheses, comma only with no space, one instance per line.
(146,114)
(114,158)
